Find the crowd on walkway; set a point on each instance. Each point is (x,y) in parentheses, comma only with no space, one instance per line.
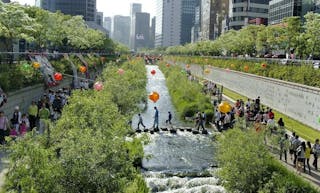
(47,108)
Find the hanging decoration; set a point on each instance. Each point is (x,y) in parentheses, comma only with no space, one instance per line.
(154,96)
(120,71)
(264,65)
(224,107)
(188,66)
(232,65)
(57,76)
(98,86)
(246,68)
(36,65)
(153,72)
(167,65)
(83,69)
(207,71)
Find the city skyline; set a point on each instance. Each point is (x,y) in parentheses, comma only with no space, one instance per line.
(121,7)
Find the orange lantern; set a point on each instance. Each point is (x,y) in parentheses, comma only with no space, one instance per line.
(36,65)
(83,69)
(264,65)
(153,72)
(98,86)
(207,71)
(167,65)
(120,71)
(224,107)
(246,68)
(188,66)
(154,96)
(57,76)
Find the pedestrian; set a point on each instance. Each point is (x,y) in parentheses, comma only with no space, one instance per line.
(198,120)
(4,125)
(296,144)
(217,117)
(316,153)
(140,122)
(291,151)
(26,121)
(300,154)
(202,121)
(44,115)
(16,118)
(169,118)
(308,154)
(33,114)
(284,146)
(156,118)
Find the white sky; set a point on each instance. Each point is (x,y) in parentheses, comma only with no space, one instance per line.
(113,7)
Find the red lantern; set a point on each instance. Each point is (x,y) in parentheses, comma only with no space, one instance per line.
(153,72)
(264,65)
(168,65)
(98,86)
(154,96)
(246,68)
(57,76)
(120,71)
(83,69)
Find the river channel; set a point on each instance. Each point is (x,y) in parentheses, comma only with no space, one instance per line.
(175,163)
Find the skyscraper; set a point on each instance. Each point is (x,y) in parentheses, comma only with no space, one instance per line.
(99,18)
(242,11)
(174,20)
(6,1)
(86,8)
(107,23)
(152,32)
(279,9)
(134,8)
(141,30)
(120,29)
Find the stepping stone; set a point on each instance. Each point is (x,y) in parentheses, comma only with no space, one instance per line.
(138,131)
(189,129)
(156,129)
(151,132)
(146,130)
(195,132)
(173,131)
(205,132)
(164,129)
(181,129)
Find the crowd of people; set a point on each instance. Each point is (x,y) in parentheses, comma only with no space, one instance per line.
(47,108)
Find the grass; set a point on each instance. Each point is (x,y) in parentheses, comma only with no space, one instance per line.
(304,131)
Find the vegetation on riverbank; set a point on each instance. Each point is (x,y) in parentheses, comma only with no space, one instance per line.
(302,74)
(247,166)
(186,95)
(89,148)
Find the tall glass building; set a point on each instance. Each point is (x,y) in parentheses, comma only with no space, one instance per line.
(242,11)
(134,8)
(86,8)
(141,30)
(280,9)
(120,29)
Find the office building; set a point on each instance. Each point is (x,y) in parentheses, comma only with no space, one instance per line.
(195,30)
(120,29)
(279,9)
(243,11)
(174,20)
(134,8)
(107,23)
(6,1)
(141,30)
(152,32)
(86,8)
(317,6)
(99,18)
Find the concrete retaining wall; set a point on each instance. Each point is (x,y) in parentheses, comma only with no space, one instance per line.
(24,97)
(295,100)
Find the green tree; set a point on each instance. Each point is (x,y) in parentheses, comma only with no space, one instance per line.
(312,32)
(292,32)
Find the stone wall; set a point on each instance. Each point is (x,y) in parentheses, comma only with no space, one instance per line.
(295,100)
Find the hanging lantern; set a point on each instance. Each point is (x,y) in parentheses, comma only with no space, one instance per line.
(188,66)
(98,86)
(26,66)
(264,65)
(168,65)
(153,72)
(154,96)
(224,107)
(207,71)
(36,65)
(57,76)
(232,65)
(120,71)
(246,68)
(83,69)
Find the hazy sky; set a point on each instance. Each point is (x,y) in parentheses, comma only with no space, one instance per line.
(113,7)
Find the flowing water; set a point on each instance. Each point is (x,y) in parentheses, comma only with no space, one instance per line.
(176,163)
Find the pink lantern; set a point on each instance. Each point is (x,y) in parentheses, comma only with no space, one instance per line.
(120,71)
(98,86)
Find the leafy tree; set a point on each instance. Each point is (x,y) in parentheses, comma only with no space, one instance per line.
(292,31)
(312,32)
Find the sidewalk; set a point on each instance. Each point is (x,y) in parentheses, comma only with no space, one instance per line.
(313,178)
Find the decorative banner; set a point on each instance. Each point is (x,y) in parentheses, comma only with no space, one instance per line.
(57,76)
(154,96)
(36,65)
(83,69)
(153,72)
(264,65)
(246,68)
(168,65)
(224,107)
(207,71)
(120,71)
(98,86)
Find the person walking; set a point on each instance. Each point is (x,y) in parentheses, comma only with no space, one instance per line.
(4,125)
(169,118)
(33,114)
(16,119)
(300,154)
(307,155)
(284,146)
(156,118)
(140,122)
(44,115)
(296,144)
(316,153)
(202,120)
